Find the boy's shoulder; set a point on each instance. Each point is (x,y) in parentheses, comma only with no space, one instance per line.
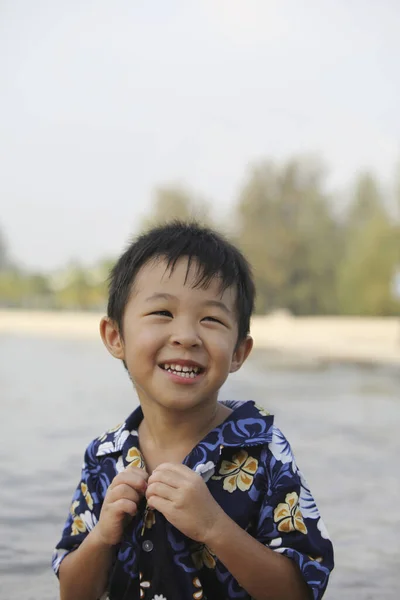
(113,440)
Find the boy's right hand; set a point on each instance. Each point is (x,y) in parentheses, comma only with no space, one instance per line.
(122,498)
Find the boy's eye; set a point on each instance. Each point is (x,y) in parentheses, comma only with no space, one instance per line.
(213,319)
(162,313)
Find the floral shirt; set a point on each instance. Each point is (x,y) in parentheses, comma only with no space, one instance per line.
(249,469)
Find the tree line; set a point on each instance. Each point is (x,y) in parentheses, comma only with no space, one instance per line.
(312,254)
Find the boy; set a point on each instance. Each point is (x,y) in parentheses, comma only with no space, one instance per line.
(190,498)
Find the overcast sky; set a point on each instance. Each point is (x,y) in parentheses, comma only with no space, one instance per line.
(102,101)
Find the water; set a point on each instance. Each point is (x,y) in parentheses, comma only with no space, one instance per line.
(343,423)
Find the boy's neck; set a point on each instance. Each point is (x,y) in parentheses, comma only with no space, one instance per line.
(163,429)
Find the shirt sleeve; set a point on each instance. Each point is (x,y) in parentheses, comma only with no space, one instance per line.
(289,521)
(85,508)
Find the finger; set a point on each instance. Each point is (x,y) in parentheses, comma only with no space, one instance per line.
(124,491)
(137,470)
(160,504)
(161,490)
(124,507)
(140,473)
(179,469)
(131,478)
(169,477)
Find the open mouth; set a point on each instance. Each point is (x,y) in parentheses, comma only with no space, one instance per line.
(183,371)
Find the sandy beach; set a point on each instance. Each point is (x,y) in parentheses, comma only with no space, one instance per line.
(304,339)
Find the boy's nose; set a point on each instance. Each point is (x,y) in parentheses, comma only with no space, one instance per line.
(185,336)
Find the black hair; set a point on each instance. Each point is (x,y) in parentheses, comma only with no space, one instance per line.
(212,254)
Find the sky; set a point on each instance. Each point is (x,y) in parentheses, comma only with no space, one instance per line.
(102,102)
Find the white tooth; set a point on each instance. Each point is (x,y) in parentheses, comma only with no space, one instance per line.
(196,369)
(185,369)
(187,375)
(166,367)
(192,375)
(177,368)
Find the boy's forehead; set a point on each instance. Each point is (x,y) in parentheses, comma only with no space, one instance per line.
(157,274)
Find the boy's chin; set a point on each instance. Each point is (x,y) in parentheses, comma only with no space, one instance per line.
(182,402)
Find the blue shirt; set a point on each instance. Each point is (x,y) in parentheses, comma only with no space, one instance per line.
(249,469)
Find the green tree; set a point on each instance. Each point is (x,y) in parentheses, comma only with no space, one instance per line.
(370,253)
(290,237)
(74,289)
(173,202)
(4,260)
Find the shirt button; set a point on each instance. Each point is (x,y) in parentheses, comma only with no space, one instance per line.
(147,546)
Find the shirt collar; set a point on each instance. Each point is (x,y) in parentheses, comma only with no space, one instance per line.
(247,425)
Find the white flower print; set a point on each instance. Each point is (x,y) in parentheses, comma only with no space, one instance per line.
(275,543)
(206,470)
(159,597)
(58,556)
(280,447)
(119,465)
(117,441)
(308,507)
(89,519)
(143,585)
(105,448)
(121,436)
(323,530)
(103,436)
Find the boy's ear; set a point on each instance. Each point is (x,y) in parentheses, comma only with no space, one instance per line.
(241,353)
(112,338)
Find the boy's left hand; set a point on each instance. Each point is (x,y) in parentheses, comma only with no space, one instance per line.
(183,498)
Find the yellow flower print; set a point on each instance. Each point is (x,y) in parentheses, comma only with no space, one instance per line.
(203,557)
(73,507)
(262,410)
(143,585)
(319,559)
(150,518)
(78,526)
(288,515)
(238,473)
(135,458)
(198,595)
(87,495)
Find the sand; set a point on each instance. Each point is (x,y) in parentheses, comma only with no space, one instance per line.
(350,339)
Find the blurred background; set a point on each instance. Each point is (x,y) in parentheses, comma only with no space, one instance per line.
(276,123)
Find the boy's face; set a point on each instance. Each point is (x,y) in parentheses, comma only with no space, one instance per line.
(179,342)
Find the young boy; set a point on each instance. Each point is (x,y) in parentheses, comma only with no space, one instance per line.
(190,498)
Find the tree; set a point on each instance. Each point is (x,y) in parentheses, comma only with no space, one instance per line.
(4,261)
(286,229)
(173,202)
(74,288)
(367,203)
(370,253)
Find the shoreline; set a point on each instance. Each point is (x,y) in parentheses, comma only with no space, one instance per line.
(301,340)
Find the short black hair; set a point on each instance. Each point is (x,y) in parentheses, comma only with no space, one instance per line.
(213,255)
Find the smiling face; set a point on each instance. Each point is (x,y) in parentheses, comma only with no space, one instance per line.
(179,341)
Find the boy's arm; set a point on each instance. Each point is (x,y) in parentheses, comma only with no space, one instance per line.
(297,564)
(263,573)
(84,572)
(83,565)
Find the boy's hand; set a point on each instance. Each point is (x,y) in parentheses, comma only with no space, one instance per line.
(183,498)
(122,498)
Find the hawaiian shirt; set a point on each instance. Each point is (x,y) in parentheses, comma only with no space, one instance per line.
(249,469)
